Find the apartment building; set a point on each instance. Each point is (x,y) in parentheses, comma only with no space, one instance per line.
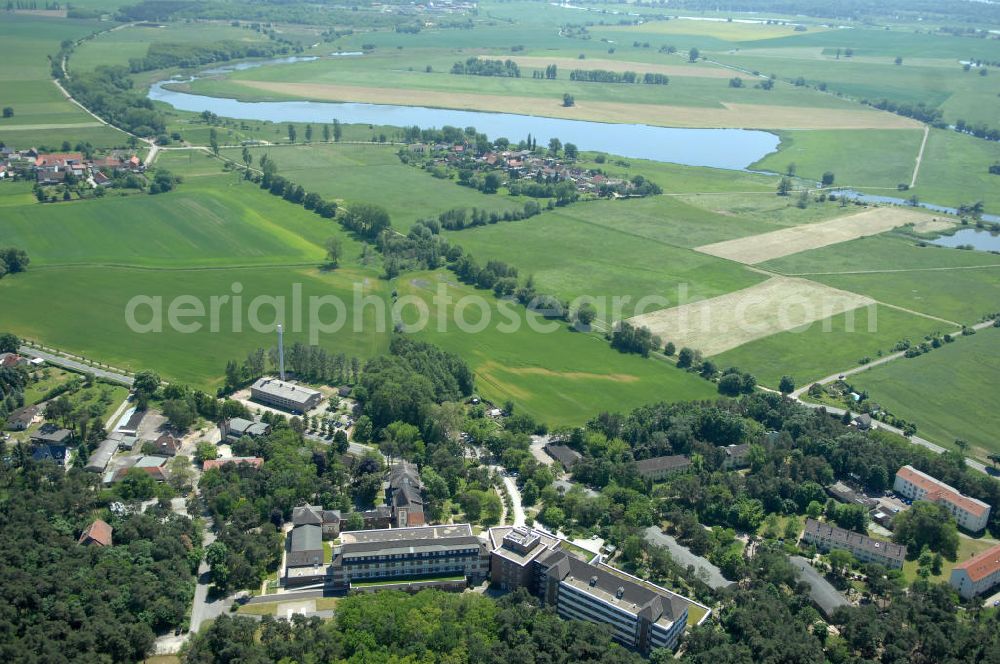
(661,467)
(978,574)
(971,514)
(642,616)
(826,537)
(445,552)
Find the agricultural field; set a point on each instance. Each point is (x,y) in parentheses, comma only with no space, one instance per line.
(42,115)
(942,391)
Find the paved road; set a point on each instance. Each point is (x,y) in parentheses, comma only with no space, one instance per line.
(515,499)
(58,360)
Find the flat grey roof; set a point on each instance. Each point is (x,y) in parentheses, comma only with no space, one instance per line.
(406,534)
(307,537)
(663,463)
(100,457)
(285,390)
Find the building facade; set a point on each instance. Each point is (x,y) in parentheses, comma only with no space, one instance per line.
(826,538)
(971,514)
(284,395)
(642,616)
(659,468)
(978,574)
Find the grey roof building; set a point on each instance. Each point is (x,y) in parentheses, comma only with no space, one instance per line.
(285,395)
(659,467)
(238,427)
(827,537)
(51,434)
(306,548)
(404,495)
(566,456)
(99,458)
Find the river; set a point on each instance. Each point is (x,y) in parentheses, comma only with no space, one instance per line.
(717,148)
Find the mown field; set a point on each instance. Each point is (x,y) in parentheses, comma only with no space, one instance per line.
(950,392)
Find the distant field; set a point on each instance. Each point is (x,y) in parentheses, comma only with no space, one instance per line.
(42,116)
(776,244)
(374,174)
(950,392)
(826,347)
(722,323)
(859,159)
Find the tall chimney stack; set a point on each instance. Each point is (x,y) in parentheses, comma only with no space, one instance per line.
(281,353)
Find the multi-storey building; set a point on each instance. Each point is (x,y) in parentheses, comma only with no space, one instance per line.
(977,574)
(642,616)
(661,467)
(445,552)
(826,538)
(285,395)
(971,514)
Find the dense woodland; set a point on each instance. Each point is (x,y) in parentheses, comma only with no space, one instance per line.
(64,602)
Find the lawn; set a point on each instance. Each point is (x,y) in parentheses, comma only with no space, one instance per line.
(44,380)
(951,393)
(967,547)
(812,352)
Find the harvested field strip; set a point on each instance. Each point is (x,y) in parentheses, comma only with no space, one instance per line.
(728,321)
(569,64)
(738,116)
(787,241)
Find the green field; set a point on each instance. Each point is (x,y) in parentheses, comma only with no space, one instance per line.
(42,116)
(950,392)
(826,347)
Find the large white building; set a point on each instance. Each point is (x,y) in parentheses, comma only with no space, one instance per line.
(971,514)
(977,574)
(285,395)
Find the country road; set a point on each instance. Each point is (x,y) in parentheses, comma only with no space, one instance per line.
(60,361)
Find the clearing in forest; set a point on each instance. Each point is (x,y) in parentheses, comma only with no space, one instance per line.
(776,305)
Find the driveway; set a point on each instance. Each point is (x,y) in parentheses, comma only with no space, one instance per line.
(538,444)
(515,499)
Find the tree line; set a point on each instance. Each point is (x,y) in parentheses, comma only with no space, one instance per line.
(605,76)
(486,67)
(161,55)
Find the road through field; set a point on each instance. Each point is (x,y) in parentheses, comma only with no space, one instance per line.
(920,157)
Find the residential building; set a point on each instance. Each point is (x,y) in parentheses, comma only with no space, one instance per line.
(826,538)
(978,574)
(661,467)
(166,445)
(256,462)
(404,495)
(10,360)
(52,435)
(863,422)
(43,452)
(284,395)
(642,616)
(154,466)
(22,418)
(737,456)
(98,534)
(428,554)
(329,521)
(566,456)
(99,458)
(237,427)
(971,514)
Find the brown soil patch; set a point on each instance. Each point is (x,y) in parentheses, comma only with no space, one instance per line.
(491,367)
(735,116)
(725,322)
(776,244)
(569,64)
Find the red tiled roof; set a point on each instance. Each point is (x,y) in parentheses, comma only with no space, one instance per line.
(981,566)
(99,532)
(938,490)
(256,462)
(58,158)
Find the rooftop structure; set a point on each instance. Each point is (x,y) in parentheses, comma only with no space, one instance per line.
(826,538)
(737,456)
(285,395)
(98,533)
(821,592)
(566,456)
(238,427)
(328,520)
(99,458)
(306,547)
(404,495)
(256,462)
(657,468)
(978,574)
(50,433)
(971,514)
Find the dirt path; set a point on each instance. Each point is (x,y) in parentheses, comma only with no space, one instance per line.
(890,271)
(920,157)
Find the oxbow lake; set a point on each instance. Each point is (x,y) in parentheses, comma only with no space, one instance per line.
(717,148)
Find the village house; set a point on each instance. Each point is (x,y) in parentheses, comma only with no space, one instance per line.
(96,534)
(22,418)
(566,456)
(209,464)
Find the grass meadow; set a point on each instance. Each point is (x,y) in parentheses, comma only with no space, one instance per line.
(825,347)
(925,390)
